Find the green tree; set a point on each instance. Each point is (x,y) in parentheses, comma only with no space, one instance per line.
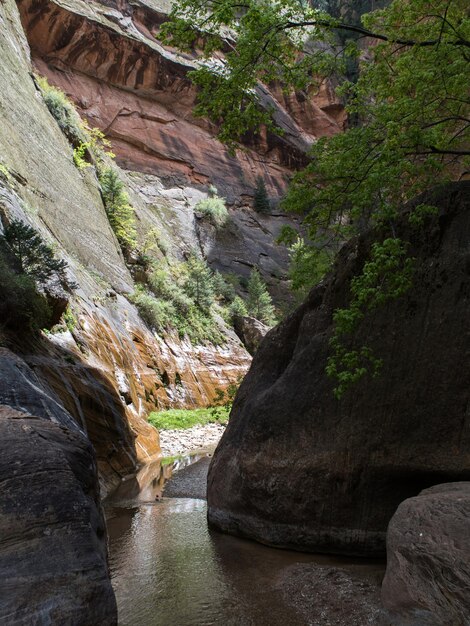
(31,255)
(199,283)
(237,308)
(259,303)
(118,209)
(410,106)
(261,202)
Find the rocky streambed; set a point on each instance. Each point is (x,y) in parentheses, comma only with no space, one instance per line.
(184,441)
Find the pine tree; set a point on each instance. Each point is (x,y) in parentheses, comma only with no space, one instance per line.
(199,283)
(31,255)
(120,213)
(259,302)
(261,201)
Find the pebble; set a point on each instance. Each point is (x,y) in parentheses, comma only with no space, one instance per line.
(183,441)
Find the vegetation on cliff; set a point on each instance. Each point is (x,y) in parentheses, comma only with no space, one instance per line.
(410,119)
(28,268)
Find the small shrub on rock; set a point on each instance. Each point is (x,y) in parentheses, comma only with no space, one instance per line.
(214,210)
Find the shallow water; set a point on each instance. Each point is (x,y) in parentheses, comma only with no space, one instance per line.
(168,569)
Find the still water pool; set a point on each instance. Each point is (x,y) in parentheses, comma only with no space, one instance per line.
(169,569)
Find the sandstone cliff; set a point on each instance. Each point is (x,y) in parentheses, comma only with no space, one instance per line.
(296,467)
(107,57)
(110,370)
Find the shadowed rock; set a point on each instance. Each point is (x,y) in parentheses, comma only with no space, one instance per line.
(298,468)
(52,533)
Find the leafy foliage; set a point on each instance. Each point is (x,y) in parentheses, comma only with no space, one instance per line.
(21,305)
(259,303)
(31,255)
(62,110)
(410,110)
(199,284)
(181,299)
(386,276)
(27,263)
(187,418)
(237,308)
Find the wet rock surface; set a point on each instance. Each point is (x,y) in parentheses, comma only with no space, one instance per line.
(53,555)
(333,596)
(427,580)
(298,468)
(189,482)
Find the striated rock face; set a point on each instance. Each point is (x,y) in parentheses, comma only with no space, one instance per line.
(53,555)
(109,371)
(298,468)
(107,57)
(428,559)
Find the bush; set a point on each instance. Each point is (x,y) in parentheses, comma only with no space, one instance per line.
(186,418)
(214,210)
(62,110)
(223,288)
(120,213)
(163,285)
(158,314)
(237,308)
(199,284)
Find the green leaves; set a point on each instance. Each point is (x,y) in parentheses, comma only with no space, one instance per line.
(31,255)
(386,276)
(409,124)
(259,303)
(118,209)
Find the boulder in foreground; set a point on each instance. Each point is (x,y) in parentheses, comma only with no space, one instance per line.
(298,468)
(427,582)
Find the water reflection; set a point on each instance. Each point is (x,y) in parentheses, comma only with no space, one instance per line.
(148,484)
(168,569)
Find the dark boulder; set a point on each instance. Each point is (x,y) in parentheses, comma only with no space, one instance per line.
(427,582)
(298,468)
(53,554)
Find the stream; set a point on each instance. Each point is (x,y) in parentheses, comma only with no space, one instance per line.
(169,569)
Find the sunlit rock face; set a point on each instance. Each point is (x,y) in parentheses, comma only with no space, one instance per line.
(109,370)
(298,468)
(107,57)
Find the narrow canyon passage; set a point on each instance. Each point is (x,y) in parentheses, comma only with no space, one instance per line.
(169,569)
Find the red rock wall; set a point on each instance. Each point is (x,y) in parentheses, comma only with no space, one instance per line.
(137,91)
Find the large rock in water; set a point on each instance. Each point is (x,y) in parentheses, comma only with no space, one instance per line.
(298,468)
(427,581)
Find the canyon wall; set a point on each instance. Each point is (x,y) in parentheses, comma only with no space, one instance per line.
(298,468)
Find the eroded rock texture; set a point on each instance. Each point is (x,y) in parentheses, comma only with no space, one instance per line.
(107,369)
(53,555)
(428,559)
(298,468)
(108,58)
